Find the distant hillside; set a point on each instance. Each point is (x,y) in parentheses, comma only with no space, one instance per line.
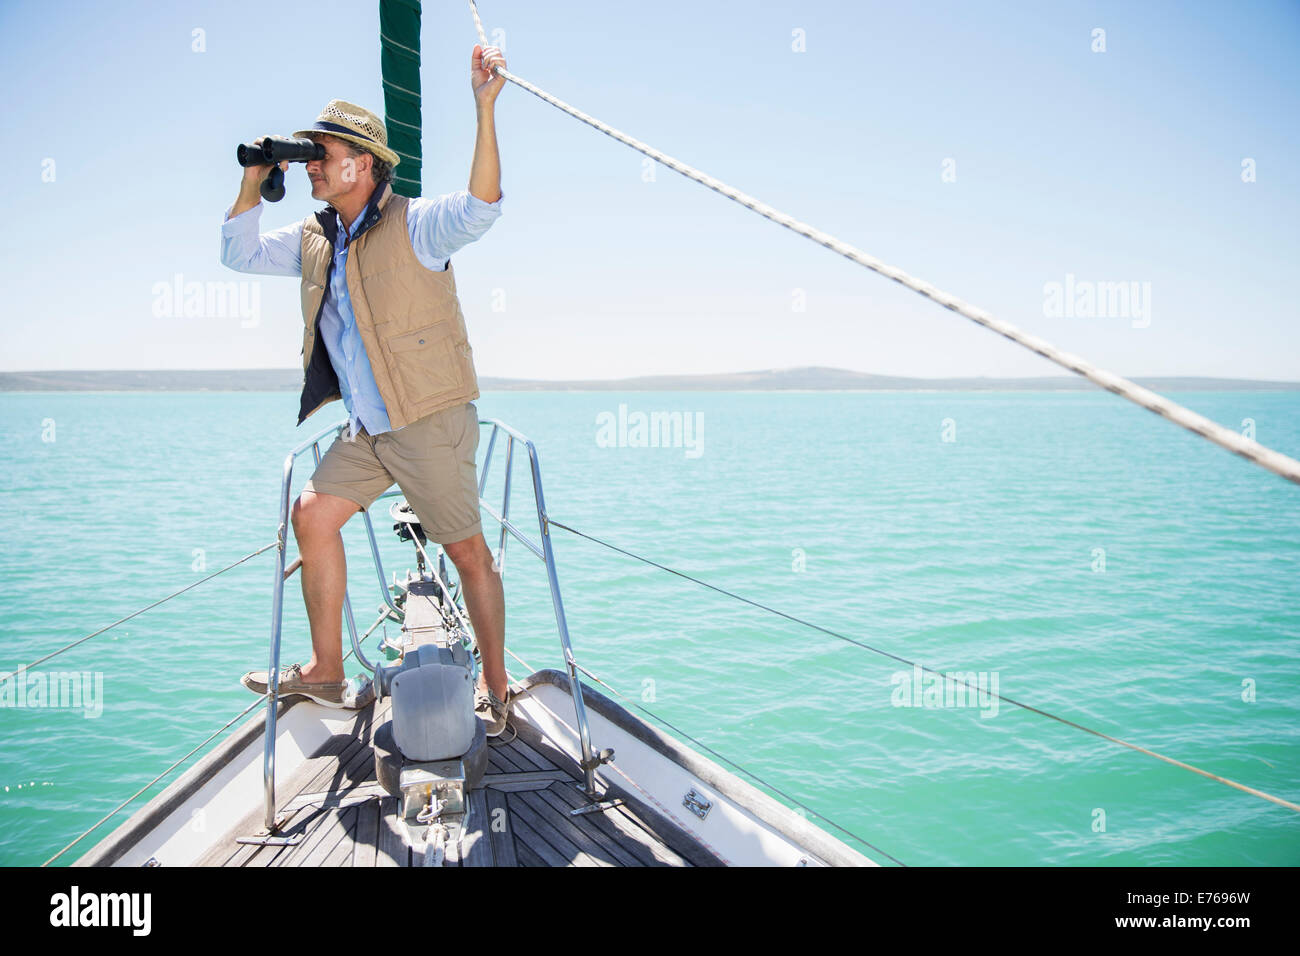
(155,380)
(818,377)
(812,377)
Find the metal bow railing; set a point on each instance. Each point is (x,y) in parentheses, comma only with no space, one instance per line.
(543,550)
(540,548)
(277,606)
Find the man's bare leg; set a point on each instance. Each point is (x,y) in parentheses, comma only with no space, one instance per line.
(317,520)
(485,600)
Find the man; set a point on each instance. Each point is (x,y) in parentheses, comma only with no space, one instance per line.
(379,294)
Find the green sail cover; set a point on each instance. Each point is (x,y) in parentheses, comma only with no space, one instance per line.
(399,40)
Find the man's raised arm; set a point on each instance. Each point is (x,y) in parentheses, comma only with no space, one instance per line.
(441,226)
(485,173)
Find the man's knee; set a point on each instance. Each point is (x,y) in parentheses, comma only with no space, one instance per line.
(315,514)
(470,555)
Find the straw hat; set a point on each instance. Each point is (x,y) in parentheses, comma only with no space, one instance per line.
(356,124)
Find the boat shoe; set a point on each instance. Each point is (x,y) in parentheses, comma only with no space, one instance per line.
(330,694)
(492,710)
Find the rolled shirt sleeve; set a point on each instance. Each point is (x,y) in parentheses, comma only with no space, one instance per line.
(244,249)
(441,226)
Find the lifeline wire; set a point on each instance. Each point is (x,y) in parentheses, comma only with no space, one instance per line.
(4,677)
(744,770)
(117,809)
(1247,448)
(875,650)
(383,614)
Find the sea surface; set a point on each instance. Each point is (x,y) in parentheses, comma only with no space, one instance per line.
(1095,561)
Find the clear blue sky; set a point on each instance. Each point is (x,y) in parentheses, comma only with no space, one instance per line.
(1115,166)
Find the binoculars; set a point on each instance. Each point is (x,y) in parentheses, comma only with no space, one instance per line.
(273,151)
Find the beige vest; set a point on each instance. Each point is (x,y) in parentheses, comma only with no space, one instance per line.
(408,317)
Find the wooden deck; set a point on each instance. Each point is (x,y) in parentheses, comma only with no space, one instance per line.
(348,819)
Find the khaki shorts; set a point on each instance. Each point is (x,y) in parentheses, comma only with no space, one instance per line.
(432,461)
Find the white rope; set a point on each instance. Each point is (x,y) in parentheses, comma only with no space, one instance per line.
(1247,448)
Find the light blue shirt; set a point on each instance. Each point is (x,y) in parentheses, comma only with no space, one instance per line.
(438,228)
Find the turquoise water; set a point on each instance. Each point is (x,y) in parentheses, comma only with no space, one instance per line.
(981,554)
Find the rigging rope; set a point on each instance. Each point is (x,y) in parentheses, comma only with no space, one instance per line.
(875,650)
(1247,448)
(41,660)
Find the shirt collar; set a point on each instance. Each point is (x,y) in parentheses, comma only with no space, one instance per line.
(328,217)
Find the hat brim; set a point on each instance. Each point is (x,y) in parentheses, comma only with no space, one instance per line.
(383,152)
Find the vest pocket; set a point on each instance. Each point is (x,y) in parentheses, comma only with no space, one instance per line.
(426,362)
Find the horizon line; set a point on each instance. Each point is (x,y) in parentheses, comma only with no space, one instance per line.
(806,369)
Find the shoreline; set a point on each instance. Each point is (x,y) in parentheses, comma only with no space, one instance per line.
(799,380)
